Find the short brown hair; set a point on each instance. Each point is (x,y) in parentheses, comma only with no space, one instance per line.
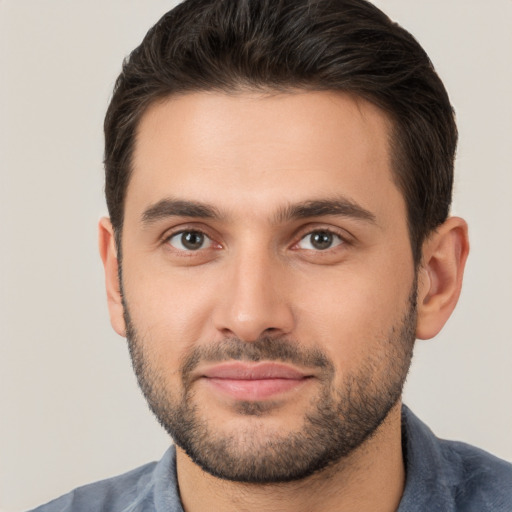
(335,45)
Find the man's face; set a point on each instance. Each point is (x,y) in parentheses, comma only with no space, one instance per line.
(268,280)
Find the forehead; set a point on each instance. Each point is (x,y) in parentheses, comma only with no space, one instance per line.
(258,150)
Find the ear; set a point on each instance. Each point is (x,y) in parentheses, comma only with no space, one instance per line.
(440,276)
(108,253)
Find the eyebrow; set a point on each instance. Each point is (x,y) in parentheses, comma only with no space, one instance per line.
(314,208)
(339,206)
(178,208)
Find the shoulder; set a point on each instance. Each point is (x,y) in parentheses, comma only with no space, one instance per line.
(484,482)
(451,475)
(135,491)
(112,494)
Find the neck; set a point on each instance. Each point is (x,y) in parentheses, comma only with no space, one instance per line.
(370,479)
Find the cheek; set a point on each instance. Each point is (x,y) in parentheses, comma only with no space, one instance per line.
(173,310)
(353,314)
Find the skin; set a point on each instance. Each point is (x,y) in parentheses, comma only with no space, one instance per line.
(250,156)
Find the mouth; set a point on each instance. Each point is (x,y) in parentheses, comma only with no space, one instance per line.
(254,381)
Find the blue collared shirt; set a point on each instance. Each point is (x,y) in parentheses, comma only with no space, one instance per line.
(442,476)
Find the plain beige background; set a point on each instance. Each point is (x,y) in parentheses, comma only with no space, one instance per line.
(70,410)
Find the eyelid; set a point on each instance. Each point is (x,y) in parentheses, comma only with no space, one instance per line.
(184,228)
(347,239)
(179,235)
(335,243)
(304,231)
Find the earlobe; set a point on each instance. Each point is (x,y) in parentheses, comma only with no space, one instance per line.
(440,276)
(108,253)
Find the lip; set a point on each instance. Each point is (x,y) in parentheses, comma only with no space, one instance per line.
(253,381)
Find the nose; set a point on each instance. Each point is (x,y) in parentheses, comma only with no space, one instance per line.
(255,300)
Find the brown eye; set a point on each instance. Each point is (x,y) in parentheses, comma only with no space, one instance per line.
(320,241)
(190,241)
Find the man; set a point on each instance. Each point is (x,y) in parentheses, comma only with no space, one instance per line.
(278,178)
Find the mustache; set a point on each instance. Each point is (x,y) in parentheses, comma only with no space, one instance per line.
(265,348)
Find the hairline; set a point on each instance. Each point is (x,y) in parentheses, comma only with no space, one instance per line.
(239,87)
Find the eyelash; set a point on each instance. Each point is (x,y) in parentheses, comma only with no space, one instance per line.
(343,240)
(333,234)
(167,239)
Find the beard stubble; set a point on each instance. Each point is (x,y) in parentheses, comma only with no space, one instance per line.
(337,422)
